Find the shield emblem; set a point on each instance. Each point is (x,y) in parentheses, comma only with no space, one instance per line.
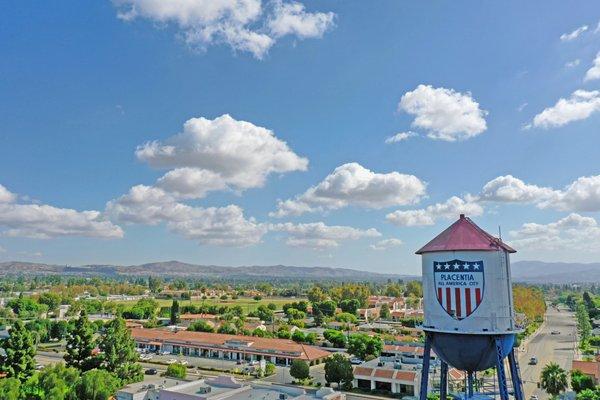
(459,286)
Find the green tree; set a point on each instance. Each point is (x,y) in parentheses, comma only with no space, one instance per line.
(350,305)
(414,288)
(19,351)
(553,379)
(56,382)
(81,345)
(336,338)
(174,312)
(10,389)
(299,370)
(118,352)
(227,328)
(580,381)
(298,336)
(316,295)
(346,317)
(176,370)
(326,307)
(363,345)
(50,299)
(97,384)
(269,369)
(384,313)
(201,326)
(584,327)
(339,370)
(587,394)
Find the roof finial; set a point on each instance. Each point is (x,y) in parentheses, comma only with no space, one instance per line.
(462,216)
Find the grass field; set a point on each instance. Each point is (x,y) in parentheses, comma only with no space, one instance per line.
(247,303)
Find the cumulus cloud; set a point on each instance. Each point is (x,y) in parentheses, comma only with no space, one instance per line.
(449,209)
(594,72)
(224,226)
(581,195)
(41,221)
(292,19)
(399,137)
(6,196)
(317,235)
(573,64)
(386,244)
(581,105)
(513,190)
(567,37)
(352,184)
(218,153)
(573,232)
(244,25)
(445,114)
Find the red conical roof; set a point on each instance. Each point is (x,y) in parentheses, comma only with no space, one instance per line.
(465,235)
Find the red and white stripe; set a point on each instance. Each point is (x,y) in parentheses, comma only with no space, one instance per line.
(461,301)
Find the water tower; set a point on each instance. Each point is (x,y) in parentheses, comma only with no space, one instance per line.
(468,305)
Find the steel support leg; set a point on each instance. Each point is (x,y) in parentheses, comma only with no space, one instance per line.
(469,385)
(425,370)
(443,381)
(500,371)
(515,375)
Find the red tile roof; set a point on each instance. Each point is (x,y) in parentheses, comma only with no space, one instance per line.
(591,368)
(252,344)
(464,234)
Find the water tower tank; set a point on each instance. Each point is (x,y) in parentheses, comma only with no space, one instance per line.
(467,294)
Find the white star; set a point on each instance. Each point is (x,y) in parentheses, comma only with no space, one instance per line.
(447,266)
(438,266)
(466,266)
(456,266)
(476,266)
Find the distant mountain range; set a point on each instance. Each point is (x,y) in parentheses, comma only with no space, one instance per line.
(558,272)
(522,271)
(176,269)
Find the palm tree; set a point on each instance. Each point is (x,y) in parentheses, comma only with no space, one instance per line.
(553,379)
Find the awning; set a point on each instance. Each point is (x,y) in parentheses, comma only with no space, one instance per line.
(155,344)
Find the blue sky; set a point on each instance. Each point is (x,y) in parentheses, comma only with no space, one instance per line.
(284,97)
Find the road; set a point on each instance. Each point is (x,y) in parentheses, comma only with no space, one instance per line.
(548,348)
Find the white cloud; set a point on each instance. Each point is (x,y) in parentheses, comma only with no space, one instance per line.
(386,244)
(6,196)
(522,106)
(510,189)
(444,113)
(581,105)
(567,37)
(244,25)
(594,72)
(191,182)
(292,19)
(399,137)
(319,236)
(2,249)
(451,208)
(224,226)
(573,64)
(239,153)
(352,184)
(42,221)
(581,195)
(574,232)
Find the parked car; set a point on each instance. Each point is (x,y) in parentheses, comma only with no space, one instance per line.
(533,397)
(171,361)
(165,353)
(555,333)
(356,361)
(533,361)
(151,371)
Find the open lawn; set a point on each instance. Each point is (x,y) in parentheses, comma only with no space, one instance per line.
(247,303)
